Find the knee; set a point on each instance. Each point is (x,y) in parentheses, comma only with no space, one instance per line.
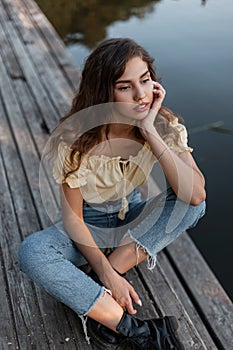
(198,211)
(30,252)
(201,208)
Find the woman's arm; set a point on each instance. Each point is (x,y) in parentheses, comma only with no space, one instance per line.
(72,214)
(180,170)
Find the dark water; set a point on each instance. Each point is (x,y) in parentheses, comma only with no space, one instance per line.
(191,41)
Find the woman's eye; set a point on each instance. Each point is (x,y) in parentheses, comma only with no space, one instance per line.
(146,80)
(124,88)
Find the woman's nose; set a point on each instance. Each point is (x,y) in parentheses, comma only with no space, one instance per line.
(139,93)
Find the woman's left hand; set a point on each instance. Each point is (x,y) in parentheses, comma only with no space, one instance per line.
(147,124)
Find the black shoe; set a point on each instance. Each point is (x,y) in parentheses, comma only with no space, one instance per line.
(134,334)
(102,336)
(155,334)
(164,332)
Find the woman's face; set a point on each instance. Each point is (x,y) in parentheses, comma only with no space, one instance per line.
(135,88)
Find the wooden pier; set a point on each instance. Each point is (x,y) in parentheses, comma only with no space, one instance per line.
(37,83)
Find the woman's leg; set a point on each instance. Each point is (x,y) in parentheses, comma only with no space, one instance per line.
(50,259)
(106,311)
(126,256)
(154,226)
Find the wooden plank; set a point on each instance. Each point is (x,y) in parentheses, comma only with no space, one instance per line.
(39,93)
(33,118)
(16,176)
(52,78)
(8,336)
(51,328)
(57,47)
(186,302)
(31,112)
(24,207)
(78,332)
(56,319)
(35,122)
(148,310)
(25,145)
(23,29)
(210,298)
(21,292)
(169,304)
(11,62)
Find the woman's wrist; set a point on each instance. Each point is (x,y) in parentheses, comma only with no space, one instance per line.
(149,133)
(121,274)
(106,272)
(158,146)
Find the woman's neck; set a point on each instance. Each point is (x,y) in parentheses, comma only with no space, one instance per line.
(121,131)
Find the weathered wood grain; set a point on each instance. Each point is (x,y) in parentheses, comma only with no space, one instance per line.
(148,310)
(40,95)
(12,64)
(21,292)
(182,295)
(8,335)
(51,76)
(52,321)
(169,304)
(25,145)
(210,298)
(57,47)
(56,332)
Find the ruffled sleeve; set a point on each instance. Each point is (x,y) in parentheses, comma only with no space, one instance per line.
(62,167)
(178,143)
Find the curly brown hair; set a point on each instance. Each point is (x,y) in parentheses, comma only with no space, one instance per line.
(102,68)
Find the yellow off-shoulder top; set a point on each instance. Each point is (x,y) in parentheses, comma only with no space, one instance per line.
(102,178)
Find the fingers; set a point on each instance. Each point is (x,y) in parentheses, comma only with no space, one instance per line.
(158,86)
(135,297)
(127,302)
(130,308)
(159,89)
(159,95)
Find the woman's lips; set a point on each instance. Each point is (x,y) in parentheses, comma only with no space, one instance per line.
(142,108)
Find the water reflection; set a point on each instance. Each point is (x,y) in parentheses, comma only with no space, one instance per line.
(87,22)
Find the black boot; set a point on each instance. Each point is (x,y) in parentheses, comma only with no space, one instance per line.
(136,333)
(102,336)
(164,332)
(155,334)
(132,333)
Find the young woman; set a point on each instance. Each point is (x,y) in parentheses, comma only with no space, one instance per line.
(105,148)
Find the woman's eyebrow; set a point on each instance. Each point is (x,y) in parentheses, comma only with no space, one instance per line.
(129,81)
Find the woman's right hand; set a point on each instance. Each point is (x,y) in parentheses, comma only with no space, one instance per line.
(122,291)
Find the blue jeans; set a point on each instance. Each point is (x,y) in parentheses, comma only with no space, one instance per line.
(51,259)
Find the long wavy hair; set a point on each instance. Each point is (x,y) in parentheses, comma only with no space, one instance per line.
(102,68)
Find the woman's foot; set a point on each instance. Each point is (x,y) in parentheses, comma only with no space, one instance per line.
(101,335)
(155,334)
